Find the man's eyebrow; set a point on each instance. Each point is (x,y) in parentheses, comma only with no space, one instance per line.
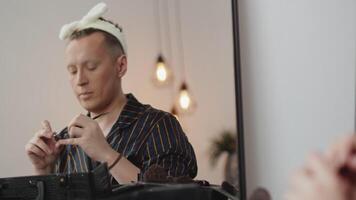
(90,61)
(86,62)
(69,66)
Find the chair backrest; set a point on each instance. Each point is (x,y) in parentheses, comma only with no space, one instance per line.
(260,194)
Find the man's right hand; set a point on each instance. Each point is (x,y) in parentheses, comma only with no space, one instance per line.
(42,151)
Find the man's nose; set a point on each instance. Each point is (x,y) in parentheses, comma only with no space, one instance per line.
(82,78)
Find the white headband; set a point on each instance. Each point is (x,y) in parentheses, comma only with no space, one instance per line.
(91,20)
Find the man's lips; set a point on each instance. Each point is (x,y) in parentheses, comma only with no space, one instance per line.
(85,94)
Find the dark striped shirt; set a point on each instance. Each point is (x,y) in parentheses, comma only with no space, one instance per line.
(145,136)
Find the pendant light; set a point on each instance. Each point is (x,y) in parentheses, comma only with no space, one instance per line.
(174,112)
(185,101)
(162,72)
(162,75)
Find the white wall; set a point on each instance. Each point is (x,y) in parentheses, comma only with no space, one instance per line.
(33,79)
(298,68)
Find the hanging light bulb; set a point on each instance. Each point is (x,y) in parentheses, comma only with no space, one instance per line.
(174,112)
(184,99)
(186,104)
(162,73)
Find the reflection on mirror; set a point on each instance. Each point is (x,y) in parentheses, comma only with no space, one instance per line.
(92,89)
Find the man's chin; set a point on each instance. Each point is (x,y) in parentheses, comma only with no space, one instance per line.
(88,105)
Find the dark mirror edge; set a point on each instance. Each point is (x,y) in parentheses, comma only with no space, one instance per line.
(238,99)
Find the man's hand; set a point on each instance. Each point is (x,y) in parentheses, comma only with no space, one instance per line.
(319,179)
(86,133)
(42,151)
(343,153)
(323,176)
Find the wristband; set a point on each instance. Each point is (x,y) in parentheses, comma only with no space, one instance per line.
(115,162)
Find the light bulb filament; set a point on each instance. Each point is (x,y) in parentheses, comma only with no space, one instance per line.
(161,72)
(184,100)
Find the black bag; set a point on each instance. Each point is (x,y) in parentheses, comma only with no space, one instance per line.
(96,185)
(57,186)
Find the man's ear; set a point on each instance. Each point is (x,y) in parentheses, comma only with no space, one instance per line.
(121,66)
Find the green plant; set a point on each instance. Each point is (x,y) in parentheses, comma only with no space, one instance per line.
(225,142)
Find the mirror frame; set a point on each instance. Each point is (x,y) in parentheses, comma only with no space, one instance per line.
(238,99)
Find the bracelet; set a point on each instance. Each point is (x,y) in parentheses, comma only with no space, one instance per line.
(115,162)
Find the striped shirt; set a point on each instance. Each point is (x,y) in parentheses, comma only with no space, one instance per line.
(145,136)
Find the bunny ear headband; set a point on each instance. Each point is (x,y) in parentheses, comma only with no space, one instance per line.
(91,20)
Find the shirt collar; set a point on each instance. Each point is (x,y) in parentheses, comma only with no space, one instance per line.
(132,110)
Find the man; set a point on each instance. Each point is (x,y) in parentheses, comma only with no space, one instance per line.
(328,176)
(118,129)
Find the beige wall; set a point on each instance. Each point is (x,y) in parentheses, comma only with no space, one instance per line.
(33,79)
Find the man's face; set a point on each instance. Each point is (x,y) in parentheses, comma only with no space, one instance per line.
(93,72)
